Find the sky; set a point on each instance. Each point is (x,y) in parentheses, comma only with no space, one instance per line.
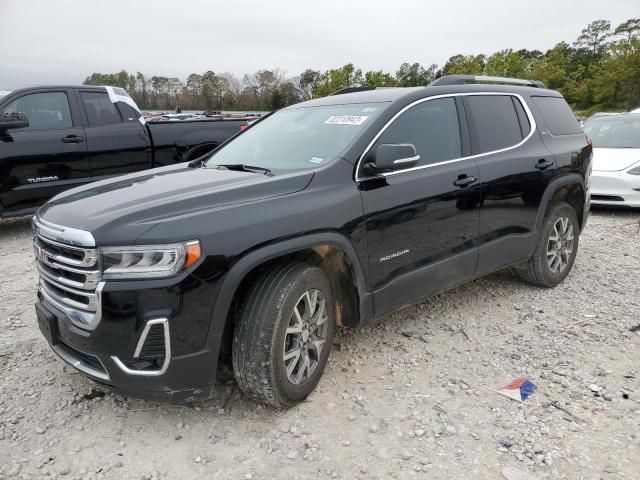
(63,41)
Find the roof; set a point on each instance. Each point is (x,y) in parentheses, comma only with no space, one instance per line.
(51,87)
(366,96)
(394,94)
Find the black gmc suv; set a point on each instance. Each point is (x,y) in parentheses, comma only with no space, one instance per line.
(331,212)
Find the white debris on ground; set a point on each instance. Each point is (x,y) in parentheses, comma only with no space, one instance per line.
(399,400)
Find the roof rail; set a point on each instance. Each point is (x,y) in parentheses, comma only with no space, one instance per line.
(352,90)
(465,79)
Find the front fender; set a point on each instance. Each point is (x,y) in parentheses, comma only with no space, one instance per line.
(247,263)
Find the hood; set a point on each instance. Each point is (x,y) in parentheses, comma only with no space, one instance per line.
(614,159)
(119,210)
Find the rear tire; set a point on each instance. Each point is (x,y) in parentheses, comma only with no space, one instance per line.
(556,251)
(283,334)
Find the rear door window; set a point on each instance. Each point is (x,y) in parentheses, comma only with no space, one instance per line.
(494,122)
(99,108)
(557,114)
(45,111)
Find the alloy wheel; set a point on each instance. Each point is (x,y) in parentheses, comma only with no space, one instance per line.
(560,245)
(305,336)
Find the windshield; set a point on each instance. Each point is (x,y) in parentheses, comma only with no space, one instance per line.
(298,138)
(619,131)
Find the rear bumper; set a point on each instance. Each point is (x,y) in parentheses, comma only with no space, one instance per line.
(151,341)
(615,188)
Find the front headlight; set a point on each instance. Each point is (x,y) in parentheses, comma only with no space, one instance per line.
(147,261)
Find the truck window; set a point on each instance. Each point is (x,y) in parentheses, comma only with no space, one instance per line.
(127,112)
(494,123)
(557,115)
(45,111)
(100,110)
(432,127)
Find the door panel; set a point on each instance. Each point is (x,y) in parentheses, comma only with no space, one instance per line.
(422,223)
(420,219)
(46,158)
(116,144)
(512,190)
(512,185)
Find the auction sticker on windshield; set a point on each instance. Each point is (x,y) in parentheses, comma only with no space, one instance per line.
(346,119)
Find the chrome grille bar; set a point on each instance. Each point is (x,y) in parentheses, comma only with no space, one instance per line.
(48,249)
(52,271)
(65,235)
(70,281)
(91,303)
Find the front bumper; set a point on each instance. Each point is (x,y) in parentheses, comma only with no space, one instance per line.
(179,313)
(615,188)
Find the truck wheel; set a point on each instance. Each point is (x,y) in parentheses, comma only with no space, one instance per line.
(556,251)
(284,333)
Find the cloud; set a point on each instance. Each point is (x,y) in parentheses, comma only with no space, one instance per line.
(64,41)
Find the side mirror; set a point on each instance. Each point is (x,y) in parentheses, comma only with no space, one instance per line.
(389,157)
(13,120)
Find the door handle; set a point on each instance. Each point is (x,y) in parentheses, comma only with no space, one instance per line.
(543,164)
(464,181)
(72,139)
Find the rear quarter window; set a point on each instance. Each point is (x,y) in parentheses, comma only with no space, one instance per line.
(557,114)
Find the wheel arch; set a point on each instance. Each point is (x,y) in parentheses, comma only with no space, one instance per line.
(330,251)
(568,188)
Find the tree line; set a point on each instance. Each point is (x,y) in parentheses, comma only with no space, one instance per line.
(600,70)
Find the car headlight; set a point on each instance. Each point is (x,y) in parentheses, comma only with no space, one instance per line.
(148,261)
(634,170)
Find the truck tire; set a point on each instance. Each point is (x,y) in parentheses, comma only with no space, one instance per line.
(283,334)
(555,253)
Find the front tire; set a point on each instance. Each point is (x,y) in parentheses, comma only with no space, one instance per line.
(556,251)
(283,336)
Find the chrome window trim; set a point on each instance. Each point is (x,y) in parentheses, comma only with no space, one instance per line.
(532,124)
(143,336)
(68,236)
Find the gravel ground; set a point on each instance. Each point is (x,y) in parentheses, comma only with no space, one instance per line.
(403,399)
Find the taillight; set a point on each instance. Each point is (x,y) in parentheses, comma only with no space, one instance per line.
(243,127)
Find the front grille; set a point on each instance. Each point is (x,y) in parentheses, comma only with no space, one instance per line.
(69,277)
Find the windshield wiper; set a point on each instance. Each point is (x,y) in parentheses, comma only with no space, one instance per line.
(245,168)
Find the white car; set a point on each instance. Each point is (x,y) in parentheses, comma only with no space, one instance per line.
(615,178)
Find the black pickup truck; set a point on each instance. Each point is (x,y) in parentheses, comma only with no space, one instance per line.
(55,138)
(331,212)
